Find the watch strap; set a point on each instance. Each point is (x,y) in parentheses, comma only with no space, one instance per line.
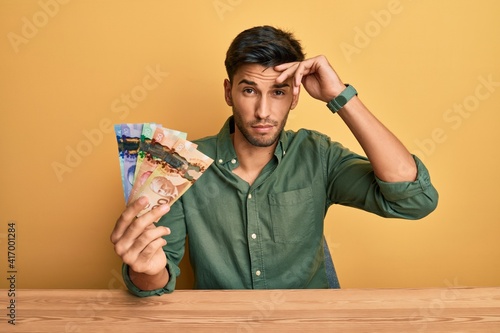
(345,96)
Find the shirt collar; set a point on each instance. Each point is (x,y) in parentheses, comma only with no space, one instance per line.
(282,146)
(225,149)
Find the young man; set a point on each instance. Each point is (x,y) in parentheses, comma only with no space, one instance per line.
(255,218)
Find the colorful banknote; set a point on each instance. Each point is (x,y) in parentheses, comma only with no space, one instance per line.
(177,171)
(158,163)
(131,136)
(153,154)
(119,140)
(148,131)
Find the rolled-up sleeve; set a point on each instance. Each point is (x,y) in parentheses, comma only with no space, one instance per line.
(173,271)
(411,200)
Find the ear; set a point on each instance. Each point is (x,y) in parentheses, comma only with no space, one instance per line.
(295,100)
(227,92)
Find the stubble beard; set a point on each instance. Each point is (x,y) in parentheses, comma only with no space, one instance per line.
(259,140)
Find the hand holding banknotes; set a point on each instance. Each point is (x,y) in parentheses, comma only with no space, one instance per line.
(139,244)
(157,166)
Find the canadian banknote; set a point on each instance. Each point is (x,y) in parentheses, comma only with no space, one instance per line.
(148,131)
(158,163)
(131,136)
(152,154)
(119,140)
(176,172)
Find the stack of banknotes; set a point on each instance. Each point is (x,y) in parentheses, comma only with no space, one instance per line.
(157,162)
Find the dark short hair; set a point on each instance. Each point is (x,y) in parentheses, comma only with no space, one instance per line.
(263,45)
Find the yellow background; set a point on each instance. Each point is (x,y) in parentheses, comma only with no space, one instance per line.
(65,71)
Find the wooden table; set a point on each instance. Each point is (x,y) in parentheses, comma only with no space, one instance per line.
(346,310)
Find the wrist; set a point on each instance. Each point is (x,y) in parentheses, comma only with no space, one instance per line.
(342,98)
(146,281)
(333,92)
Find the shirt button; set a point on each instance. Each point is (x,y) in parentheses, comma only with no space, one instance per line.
(220,161)
(254,236)
(249,196)
(233,161)
(257,273)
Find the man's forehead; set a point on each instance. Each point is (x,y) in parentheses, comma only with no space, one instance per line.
(256,74)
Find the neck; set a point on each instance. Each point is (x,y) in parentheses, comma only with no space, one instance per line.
(251,159)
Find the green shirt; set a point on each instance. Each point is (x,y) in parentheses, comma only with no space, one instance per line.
(270,235)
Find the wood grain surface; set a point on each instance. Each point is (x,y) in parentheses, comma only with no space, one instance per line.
(345,310)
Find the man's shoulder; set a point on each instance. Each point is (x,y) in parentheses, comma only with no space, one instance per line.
(311,140)
(209,140)
(206,144)
(304,134)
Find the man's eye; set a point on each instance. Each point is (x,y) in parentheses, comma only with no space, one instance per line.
(248,91)
(279,92)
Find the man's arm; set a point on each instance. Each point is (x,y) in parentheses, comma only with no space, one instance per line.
(390,159)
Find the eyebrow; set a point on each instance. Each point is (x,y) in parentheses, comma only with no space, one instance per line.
(252,83)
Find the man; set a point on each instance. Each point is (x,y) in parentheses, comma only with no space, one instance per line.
(255,218)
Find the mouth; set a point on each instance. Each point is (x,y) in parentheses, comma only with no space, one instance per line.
(263,128)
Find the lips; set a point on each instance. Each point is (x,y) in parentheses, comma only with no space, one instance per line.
(263,128)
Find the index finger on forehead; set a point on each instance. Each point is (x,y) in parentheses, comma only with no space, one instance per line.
(285,66)
(305,68)
(287,71)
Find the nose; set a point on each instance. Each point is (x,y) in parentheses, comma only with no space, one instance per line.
(263,108)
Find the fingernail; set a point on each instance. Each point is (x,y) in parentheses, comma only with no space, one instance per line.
(164,208)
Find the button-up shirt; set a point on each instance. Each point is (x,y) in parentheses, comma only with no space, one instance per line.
(270,234)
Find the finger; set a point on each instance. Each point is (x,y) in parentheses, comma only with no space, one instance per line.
(151,249)
(158,211)
(130,253)
(297,70)
(146,259)
(305,68)
(140,224)
(147,237)
(287,70)
(285,66)
(127,217)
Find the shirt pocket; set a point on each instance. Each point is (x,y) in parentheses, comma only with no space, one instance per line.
(292,215)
